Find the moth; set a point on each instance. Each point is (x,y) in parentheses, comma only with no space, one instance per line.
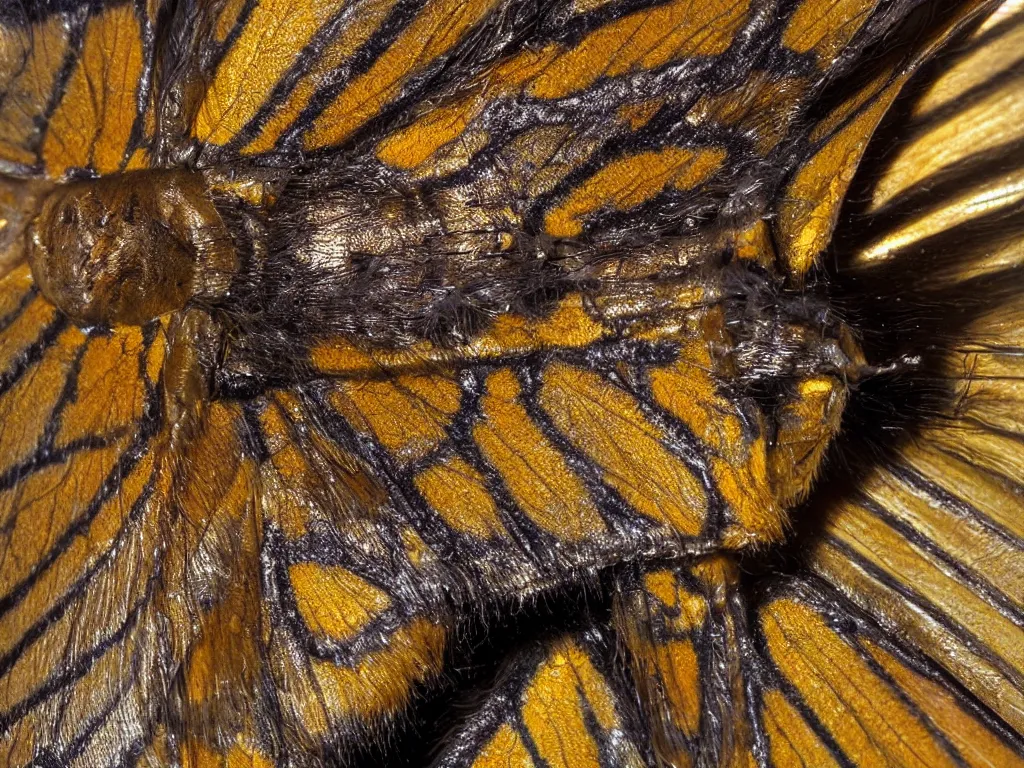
(555,383)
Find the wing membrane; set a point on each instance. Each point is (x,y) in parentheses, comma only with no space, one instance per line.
(929,542)
(556,704)
(78,93)
(278,571)
(810,681)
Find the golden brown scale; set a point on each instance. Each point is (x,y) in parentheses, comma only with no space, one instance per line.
(124,250)
(475,346)
(17,199)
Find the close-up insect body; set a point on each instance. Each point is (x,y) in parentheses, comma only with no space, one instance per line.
(511,383)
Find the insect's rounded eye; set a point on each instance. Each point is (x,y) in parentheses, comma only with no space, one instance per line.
(98,271)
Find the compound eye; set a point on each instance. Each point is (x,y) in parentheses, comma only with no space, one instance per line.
(123,251)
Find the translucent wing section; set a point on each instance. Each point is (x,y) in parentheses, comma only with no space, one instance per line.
(810,203)
(930,541)
(835,692)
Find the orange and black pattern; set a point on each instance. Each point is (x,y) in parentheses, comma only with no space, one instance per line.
(557,703)
(793,677)
(493,383)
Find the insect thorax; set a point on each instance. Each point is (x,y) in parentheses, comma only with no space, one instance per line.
(277,266)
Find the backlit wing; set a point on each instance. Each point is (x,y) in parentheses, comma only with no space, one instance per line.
(272,573)
(834,691)
(930,542)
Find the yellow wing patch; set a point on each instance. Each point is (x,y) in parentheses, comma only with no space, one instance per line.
(496,457)
(567,325)
(808,217)
(627,182)
(439,26)
(998,45)
(645,39)
(812,681)
(410,147)
(29,67)
(863,715)
(409,416)
(978,746)
(791,739)
(78,85)
(370,642)
(764,106)
(739,459)
(556,706)
(93,122)
(333,601)
(554,717)
(874,707)
(510,437)
(606,424)
(446,136)
(946,142)
(459,494)
(362,23)
(269,44)
(673,622)
(98,497)
(81,500)
(826,26)
(535,472)
(806,426)
(332,698)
